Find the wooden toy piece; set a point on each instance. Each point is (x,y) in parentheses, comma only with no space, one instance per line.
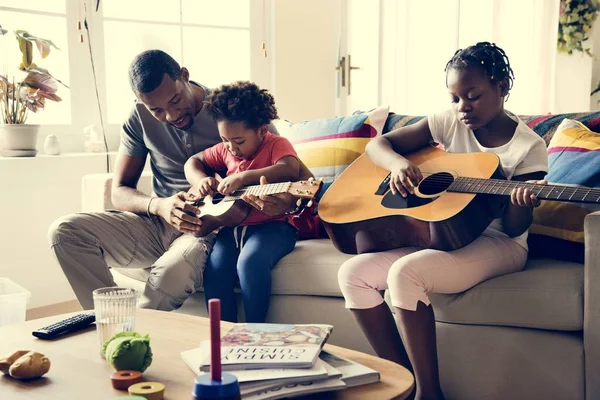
(214,310)
(216,385)
(121,380)
(148,390)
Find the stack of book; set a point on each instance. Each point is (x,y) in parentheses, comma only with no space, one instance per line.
(273,361)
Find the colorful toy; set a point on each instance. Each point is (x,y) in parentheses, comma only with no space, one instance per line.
(148,390)
(216,385)
(121,380)
(128,351)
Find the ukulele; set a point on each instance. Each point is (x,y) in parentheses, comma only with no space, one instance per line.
(218,210)
(450,208)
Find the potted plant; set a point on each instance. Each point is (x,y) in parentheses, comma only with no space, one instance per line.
(18,97)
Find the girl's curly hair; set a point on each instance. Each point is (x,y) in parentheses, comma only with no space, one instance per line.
(242,101)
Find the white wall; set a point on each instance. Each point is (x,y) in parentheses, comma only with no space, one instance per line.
(572,83)
(35,192)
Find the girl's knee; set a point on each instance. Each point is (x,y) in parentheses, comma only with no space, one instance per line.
(407,285)
(357,271)
(405,277)
(347,273)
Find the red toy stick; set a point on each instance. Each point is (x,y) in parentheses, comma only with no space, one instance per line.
(214,313)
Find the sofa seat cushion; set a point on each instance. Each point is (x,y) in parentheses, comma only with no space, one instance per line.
(547,294)
(311,269)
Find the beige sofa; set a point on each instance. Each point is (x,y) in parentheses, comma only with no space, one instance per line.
(529,335)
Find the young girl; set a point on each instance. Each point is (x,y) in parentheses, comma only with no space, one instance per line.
(479,79)
(248,151)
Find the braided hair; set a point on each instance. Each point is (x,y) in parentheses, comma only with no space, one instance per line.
(242,101)
(491,59)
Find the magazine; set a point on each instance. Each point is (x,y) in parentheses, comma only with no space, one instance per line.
(192,359)
(254,346)
(353,374)
(298,389)
(249,388)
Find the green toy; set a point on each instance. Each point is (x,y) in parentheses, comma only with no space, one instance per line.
(128,351)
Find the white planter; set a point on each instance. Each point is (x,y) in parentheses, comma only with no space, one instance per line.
(18,139)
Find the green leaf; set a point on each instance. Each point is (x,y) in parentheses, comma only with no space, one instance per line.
(43,45)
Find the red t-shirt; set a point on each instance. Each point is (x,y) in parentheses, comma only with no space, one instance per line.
(272,149)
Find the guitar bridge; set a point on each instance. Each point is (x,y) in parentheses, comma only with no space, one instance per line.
(384,185)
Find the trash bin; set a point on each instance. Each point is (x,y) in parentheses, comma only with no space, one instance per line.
(13,302)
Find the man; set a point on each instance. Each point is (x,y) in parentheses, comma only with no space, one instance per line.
(169,124)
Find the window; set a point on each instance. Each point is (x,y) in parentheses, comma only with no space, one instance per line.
(413,77)
(211,39)
(48,20)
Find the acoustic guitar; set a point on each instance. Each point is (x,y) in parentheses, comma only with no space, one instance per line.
(453,204)
(219,210)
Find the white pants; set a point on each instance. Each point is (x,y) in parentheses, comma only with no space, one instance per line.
(411,273)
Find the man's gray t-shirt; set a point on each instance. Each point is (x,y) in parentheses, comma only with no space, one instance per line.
(169,148)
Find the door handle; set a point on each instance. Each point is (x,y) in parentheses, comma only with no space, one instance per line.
(350,68)
(342,67)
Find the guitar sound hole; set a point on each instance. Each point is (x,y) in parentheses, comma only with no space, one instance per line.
(436,183)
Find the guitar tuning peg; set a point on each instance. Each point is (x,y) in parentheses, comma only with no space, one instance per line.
(311,179)
(320,179)
(299,202)
(309,204)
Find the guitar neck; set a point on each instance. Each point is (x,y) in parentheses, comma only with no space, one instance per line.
(543,192)
(258,190)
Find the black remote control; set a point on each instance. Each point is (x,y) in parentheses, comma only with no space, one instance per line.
(71,324)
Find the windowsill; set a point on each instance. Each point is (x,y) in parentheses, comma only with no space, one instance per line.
(60,156)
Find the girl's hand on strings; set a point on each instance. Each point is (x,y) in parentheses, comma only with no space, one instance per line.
(405,176)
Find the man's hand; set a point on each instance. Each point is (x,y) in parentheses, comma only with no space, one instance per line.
(231,183)
(174,210)
(523,197)
(273,205)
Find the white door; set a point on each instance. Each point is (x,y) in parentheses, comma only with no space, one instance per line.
(359,56)
(324,57)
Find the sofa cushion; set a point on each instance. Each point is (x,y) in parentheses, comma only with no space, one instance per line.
(547,294)
(547,125)
(574,159)
(328,145)
(311,269)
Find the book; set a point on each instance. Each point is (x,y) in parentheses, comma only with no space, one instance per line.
(255,346)
(269,347)
(353,374)
(250,388)
(298,389)
(193,358)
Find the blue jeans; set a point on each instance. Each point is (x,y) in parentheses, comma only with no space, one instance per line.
(248,254)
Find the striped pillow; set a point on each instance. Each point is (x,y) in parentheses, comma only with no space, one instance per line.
(547,125)
(328,145)
(573,158)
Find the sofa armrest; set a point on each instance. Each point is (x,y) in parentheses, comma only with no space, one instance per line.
(591,307)
(96,190)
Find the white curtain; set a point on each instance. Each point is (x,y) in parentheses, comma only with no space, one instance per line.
(419,37)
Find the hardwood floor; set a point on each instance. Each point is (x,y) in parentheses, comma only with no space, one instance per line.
(53,309)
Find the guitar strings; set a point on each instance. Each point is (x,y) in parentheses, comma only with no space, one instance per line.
(461,181)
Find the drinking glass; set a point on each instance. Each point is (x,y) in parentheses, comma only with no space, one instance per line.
(115,311)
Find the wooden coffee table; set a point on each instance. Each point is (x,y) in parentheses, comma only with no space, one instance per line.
(78,371)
